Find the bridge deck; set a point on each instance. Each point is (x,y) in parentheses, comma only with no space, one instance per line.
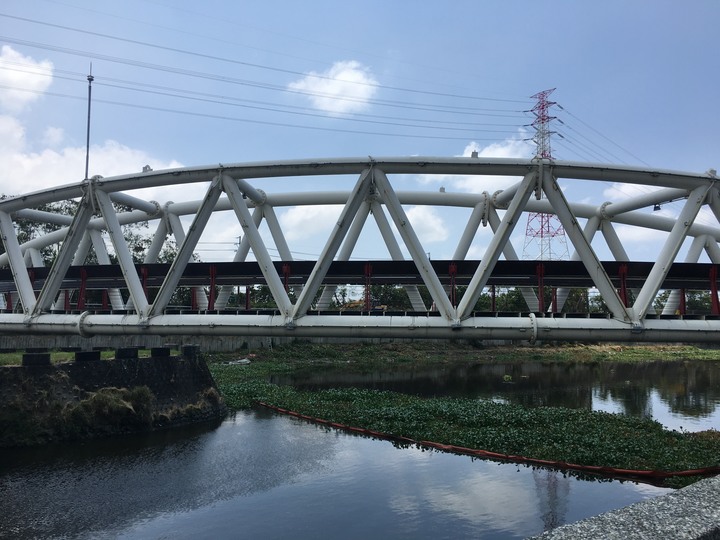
(692,276)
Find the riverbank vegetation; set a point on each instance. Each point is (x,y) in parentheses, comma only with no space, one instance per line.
(550,433)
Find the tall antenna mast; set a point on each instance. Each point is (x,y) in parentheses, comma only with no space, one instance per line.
(544,229)
(90,79)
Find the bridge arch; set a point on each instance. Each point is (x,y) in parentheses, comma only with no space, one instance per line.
(366,190)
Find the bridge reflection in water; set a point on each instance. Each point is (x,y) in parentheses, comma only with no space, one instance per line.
(139,297)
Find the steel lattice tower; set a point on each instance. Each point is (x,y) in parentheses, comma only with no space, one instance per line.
(544,231)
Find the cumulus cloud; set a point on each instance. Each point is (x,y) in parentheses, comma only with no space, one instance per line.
(509,148)
(344,88)
(22,79)
(428,225)
(26,169)
(53,136)
(303,222)
(641,243)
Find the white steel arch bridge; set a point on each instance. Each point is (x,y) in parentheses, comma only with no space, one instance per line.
(35,296)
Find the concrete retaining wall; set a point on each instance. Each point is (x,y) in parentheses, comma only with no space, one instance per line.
(90,397)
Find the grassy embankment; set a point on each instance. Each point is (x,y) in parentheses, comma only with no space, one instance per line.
(558,434)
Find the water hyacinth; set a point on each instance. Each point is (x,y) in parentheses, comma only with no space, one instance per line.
(550,433)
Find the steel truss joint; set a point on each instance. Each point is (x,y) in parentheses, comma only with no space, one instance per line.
(602,210)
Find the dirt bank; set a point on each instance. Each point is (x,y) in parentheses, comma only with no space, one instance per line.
(74,400)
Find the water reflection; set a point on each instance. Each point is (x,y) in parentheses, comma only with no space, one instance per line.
(676,394)
(264,476)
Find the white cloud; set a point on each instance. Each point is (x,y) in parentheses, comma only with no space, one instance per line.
(344,88)
(53,136)
(22,79)
(12,134)
(24,171)
(428,225)
(509,148)
(302,222)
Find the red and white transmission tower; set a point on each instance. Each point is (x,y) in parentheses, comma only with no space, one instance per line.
(544,234)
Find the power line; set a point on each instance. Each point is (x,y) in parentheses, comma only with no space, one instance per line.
(177,92)
(605,137)
(253,65)
(252,121)
(439,108)
(232,101)
(205,37)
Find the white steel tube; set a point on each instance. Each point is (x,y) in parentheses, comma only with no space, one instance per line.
(498,242)
(669,251)
(17,265)
(584,249)
(413,245)
(345,251)
(261,254)
(64,258)
(127,265)
(349,211)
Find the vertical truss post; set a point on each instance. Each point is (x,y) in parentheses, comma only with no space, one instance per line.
(368,275)
(144,279)
(540,272)
(286,276)
(213,276)
(683,302)
(81,292)
(452,271)
(715,302)
(622,274)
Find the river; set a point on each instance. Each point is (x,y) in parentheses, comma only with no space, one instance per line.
(260,475)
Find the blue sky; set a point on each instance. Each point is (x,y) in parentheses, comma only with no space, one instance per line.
(180,83)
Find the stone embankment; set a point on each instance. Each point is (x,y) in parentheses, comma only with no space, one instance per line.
(691,513)
(41,402)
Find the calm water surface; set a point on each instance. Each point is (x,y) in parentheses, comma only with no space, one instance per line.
(679,395)
(258,475)
(264,476)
